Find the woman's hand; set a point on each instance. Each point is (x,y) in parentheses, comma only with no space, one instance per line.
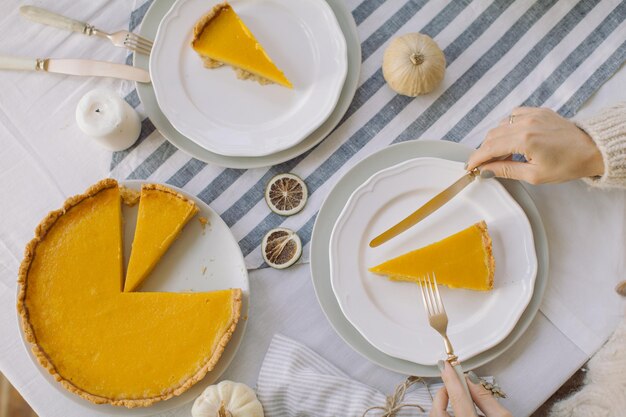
(555,148)
(463,406)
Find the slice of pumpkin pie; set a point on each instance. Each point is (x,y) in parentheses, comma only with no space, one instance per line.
(220,37)
(462,260)
(162,215)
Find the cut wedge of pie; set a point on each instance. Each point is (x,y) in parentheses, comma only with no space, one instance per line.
(221,38)
(463,260)
(108,346)
(162,215)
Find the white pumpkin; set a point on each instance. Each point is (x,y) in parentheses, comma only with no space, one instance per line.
(227,399)
(413,64)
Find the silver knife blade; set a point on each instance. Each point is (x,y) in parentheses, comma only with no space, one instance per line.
(88,67)
(75,67)
(427,209)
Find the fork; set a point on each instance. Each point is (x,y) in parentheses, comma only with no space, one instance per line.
(122,38)
(438,320)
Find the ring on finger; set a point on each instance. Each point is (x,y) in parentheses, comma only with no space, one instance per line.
(511,118)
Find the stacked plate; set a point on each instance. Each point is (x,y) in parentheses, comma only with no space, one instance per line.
(220,119)
(385,320)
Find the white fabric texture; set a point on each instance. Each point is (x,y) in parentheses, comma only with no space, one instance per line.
(44,159)
(295,381)
(604,392)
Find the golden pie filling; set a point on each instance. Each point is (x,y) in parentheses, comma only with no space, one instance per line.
(221,38)
(162,215)
(129,349)
(462,260)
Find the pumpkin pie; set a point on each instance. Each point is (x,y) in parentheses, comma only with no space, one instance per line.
(106,345)
(220,37)
(463,260)
(162,215)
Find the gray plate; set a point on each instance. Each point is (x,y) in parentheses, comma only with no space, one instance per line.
(329,212)
(149,27)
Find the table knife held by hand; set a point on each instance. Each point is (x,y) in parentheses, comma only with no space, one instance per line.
(427,209)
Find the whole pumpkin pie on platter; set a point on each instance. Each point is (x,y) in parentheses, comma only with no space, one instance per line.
(108,346)
(220,37)
(462,260)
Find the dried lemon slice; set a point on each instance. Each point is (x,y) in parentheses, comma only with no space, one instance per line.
(286,194)
(281,248)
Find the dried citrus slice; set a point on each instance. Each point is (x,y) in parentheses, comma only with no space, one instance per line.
(281,248)
(286,194)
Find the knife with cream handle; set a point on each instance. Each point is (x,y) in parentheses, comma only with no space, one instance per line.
(84,67)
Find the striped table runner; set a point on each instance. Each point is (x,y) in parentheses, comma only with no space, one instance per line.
(499,54)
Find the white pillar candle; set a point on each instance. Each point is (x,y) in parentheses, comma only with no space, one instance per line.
(107,118)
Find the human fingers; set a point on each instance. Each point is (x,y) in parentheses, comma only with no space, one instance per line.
(484,399)
(440,404)
(511,170)
(462,404)
(524,111)
(499,143)
(518,112)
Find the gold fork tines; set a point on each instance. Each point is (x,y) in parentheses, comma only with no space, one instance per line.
(436,312)
(438,320)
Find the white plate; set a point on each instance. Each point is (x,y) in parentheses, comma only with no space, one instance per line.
(334,204)
(180,269)
(149,26)
(390,315)
(232,117)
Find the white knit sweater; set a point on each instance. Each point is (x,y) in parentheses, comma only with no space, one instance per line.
(604,392)
(608,130)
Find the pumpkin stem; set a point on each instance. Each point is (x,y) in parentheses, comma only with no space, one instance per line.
(416,58)
(223,412)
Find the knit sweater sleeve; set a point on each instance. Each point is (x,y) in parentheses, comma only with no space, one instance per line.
(608,131)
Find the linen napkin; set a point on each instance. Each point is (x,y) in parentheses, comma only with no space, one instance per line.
(295,381)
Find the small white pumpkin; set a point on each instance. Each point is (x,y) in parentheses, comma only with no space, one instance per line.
(413,64)
(227,399)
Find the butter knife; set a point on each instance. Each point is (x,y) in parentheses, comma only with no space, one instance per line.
(84,67)
(427,209)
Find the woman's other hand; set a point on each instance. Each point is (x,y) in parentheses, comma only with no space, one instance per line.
(463,406)
(555,148)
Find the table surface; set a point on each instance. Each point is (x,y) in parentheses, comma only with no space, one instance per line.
(45,159)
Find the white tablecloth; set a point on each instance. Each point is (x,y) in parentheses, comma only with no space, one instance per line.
(44,158)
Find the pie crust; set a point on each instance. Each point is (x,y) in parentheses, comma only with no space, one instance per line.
(488,247)
(168,190)
(211,63)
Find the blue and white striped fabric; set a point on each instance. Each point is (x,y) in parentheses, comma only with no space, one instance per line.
(295,381)
(500,54)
